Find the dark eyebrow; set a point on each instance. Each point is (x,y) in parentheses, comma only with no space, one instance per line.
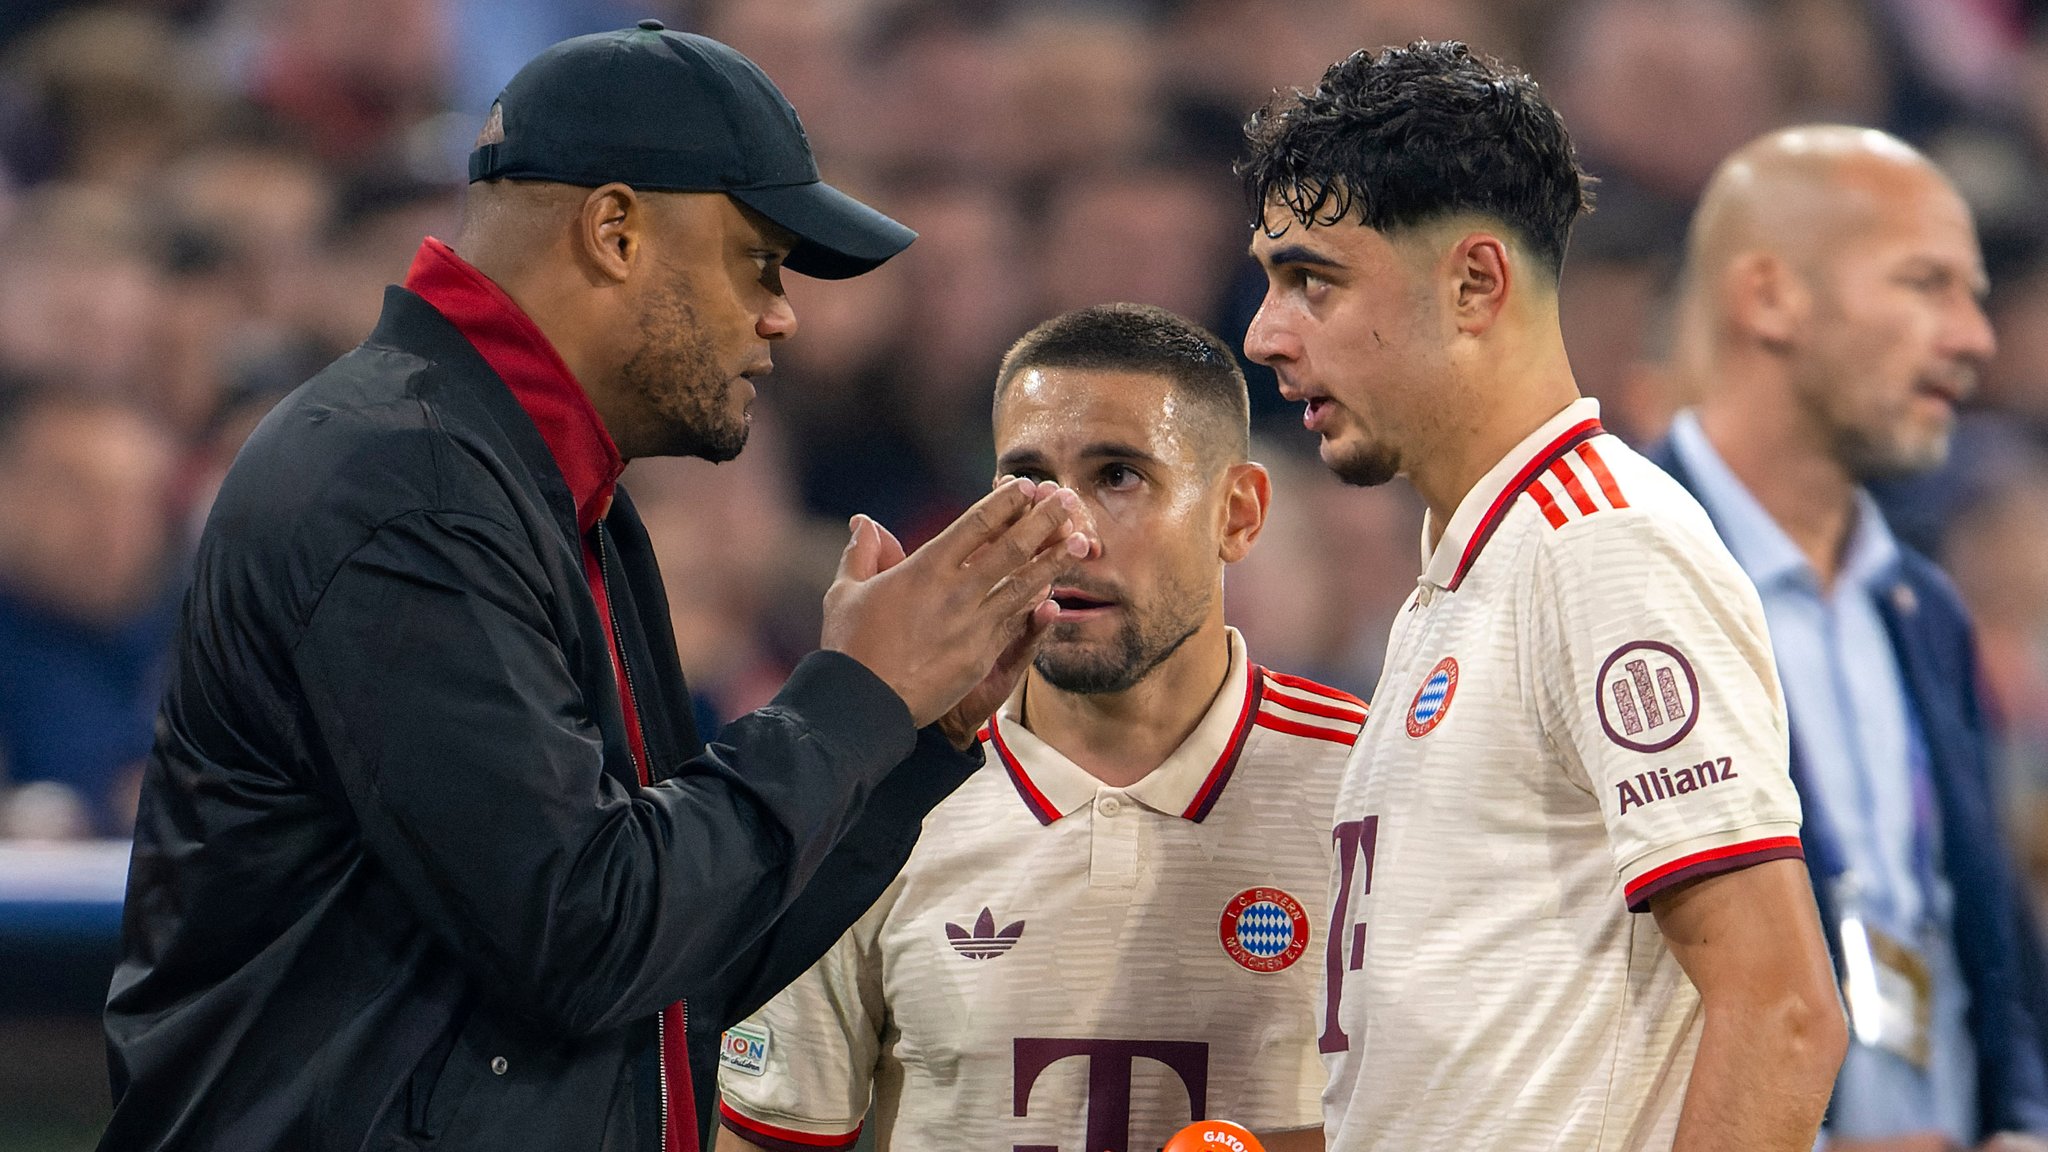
(1298,254)
(1022,458)
(1019,460)
(1117,450)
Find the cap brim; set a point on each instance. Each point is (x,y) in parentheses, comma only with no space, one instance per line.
(837,236)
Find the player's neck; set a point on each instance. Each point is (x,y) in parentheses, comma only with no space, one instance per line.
(1499,413)
(1780,459)
(1121,737)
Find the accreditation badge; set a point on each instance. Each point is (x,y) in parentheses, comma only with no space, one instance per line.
(1890,991)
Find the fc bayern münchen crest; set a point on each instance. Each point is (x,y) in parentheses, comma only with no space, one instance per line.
(1264,929)
(1433,699)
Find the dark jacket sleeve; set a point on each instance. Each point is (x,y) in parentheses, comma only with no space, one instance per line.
(853,877)
(452,723)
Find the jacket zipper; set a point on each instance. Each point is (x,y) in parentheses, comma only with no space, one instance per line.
(618,644)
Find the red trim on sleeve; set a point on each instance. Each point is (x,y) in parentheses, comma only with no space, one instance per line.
(1711,862)
(781,1139)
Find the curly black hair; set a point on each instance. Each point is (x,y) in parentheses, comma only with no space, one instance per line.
(1413,135)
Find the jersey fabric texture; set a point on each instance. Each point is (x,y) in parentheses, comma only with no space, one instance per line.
(1066,964)
(1578,710)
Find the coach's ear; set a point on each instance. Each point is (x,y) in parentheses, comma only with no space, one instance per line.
(1248,495)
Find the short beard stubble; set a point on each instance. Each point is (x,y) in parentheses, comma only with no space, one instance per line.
(678,383)
(1366,466)
(1138,647)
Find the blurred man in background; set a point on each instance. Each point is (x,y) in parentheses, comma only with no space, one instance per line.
(86,582)
(1595,730)
(1105,934)
(1829,324)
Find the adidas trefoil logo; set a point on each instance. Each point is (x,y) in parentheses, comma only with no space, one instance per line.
(984,943)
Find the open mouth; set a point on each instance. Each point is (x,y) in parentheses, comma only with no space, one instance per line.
(1074,604)
(1314,409)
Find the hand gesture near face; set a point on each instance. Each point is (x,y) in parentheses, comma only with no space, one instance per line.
(953,625)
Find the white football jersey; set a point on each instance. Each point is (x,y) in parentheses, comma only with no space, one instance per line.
(1578,710)
(1067,965)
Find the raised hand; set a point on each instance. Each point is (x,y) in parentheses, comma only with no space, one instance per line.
(935,624)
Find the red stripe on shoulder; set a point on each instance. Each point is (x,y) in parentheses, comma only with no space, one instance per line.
(1572,488)
(1711,862)
(1306,685)
(1598,467)
(1316,706)
(779,1139)
(1524,480)
(1344,736)
(1540,493)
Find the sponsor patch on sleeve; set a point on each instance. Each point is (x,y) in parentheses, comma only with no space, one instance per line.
(744,1049)
(1647,696)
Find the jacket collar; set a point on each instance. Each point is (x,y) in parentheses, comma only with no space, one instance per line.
(1487,504)
(521,355)
(1186,785)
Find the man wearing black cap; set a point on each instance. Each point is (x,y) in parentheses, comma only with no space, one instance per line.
(429,853)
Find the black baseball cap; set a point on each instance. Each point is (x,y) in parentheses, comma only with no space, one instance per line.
(667,111)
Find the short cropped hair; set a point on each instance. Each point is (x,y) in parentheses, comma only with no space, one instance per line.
(1414,135)
(1142,338)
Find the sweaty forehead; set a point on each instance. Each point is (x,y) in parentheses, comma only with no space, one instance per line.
(1054,411)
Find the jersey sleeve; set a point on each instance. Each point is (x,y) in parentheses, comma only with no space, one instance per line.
(1658,690)
(799,1073)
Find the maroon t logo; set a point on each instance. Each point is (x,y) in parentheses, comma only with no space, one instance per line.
(1109,1081)
(1356,840)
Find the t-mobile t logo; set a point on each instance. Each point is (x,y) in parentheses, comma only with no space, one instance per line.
(1109,1081)
(1356,841)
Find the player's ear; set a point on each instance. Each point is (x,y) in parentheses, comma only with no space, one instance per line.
(1482,275)
(1247,496)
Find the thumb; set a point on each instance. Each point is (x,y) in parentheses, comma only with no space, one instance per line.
(862,558)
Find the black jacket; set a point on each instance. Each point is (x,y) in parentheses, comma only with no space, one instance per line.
(395,885)
(1936,649)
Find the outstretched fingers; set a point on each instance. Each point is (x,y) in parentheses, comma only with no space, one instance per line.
(991,517)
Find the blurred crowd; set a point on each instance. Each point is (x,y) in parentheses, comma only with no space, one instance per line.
(201,200)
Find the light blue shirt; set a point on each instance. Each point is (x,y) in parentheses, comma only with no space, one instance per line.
(1859,744)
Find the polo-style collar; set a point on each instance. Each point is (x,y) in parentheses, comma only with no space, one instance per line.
(1186,785)
(522,357)
(1489,501)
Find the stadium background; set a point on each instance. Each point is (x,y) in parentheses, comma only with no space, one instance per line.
(201,199)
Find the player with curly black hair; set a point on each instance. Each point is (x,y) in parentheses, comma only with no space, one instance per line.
(1571,908)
